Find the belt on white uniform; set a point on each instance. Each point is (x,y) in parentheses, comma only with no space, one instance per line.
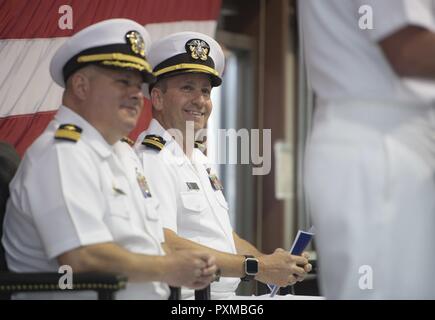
(382,114)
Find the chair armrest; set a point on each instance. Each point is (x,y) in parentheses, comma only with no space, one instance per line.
(106,284)
(203,294)
(175,293)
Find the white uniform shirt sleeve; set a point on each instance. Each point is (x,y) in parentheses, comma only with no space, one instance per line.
(66,201)
(390,16)
(163,185)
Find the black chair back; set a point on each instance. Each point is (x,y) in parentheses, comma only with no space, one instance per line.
(9,161)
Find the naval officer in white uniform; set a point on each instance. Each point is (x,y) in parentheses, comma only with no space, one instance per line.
(188,65)
(80,197)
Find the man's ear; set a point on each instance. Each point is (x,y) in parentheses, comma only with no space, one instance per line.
(80,85)
(157,98)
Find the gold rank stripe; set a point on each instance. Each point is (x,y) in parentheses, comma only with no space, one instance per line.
(67,134)
(194,67)
(123,64)
(154,143)
(121,57)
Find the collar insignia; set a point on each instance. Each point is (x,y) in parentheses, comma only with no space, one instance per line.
(128,140)
(201,146)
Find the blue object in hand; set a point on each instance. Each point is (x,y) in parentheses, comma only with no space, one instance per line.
(303,238)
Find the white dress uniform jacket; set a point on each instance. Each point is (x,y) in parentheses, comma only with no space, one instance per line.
(192,208)
(69,194)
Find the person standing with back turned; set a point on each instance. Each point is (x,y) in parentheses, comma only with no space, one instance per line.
(370,161)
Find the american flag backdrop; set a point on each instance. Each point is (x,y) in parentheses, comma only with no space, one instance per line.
(32,30)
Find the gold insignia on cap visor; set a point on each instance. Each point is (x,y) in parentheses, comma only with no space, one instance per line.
(117,59)
(136,42)
(198,49)
(182,66)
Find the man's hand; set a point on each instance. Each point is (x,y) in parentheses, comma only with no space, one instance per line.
(282,269)
(192,269)
(308,267)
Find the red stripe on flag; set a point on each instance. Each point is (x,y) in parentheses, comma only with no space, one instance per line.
(20,19)
(22,130)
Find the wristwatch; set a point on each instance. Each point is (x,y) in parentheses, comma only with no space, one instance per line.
(251,268)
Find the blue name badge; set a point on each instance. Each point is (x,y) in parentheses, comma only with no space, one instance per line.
(301,241)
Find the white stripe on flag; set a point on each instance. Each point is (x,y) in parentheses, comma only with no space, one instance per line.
(160,30)
(26,86)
